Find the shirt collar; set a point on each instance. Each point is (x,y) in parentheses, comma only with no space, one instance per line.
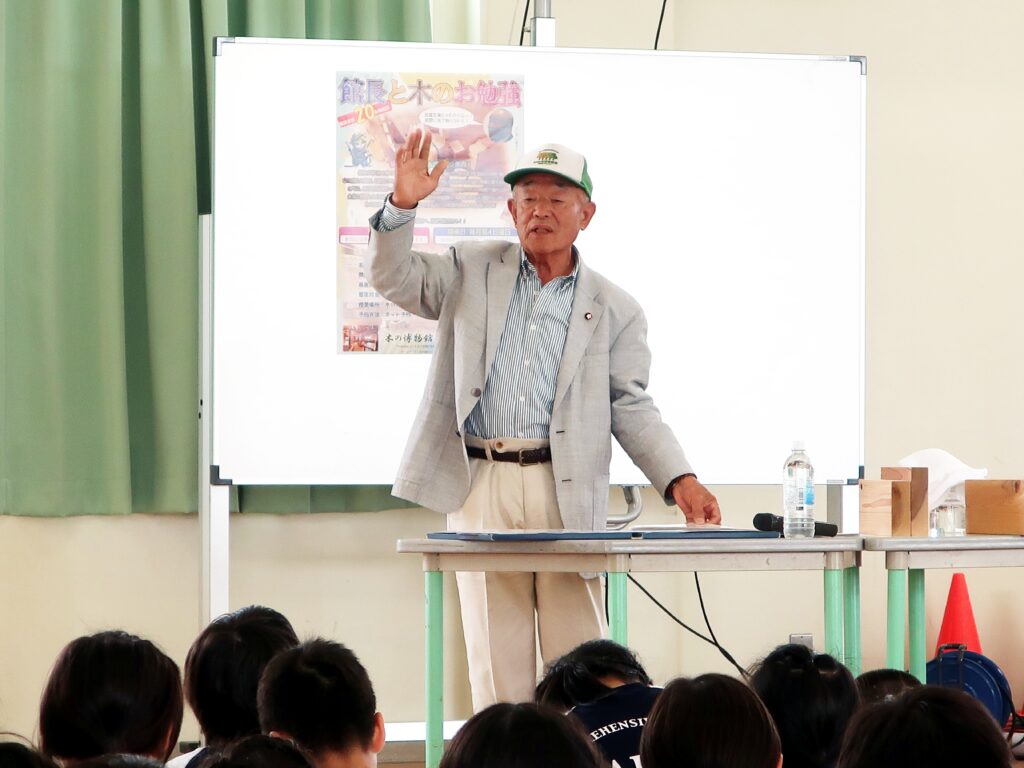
(526,266)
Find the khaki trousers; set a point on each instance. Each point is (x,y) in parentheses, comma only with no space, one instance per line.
(505,614)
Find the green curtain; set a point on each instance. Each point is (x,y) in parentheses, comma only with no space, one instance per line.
(104,165)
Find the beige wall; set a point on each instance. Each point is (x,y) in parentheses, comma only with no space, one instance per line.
(945,197)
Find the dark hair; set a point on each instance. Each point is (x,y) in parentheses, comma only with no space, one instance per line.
(575,678)
(928,726)
(319,695)
(884,684)
(811,697)
(711,721)
(108,693)
(15,755)
(120,761)
(521,736)
(258,752)
(223,668)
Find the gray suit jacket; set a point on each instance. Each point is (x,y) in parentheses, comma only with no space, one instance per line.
(600,390)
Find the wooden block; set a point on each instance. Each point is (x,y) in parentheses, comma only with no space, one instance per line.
(902,519)
(876,507)
(995,506)
(917,501)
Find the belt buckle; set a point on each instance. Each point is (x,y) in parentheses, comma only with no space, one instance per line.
(523,462)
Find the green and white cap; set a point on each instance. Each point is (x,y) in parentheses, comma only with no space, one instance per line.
(556,159)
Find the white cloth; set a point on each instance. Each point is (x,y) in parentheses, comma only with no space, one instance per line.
(945,472)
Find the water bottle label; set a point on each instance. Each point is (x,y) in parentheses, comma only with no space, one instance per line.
(809,495)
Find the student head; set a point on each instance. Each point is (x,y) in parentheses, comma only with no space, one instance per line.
(588,672)
(521,736)
(884,684)
(120,761)
(15,755)
(811,697)
(319,696)
(259,752)
(108,693)
(711,721)
(925,727)
(223,668)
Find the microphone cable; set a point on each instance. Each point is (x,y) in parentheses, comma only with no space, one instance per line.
(661,18)
(522,30)
(713,640)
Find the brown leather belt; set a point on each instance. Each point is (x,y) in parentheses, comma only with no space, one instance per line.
(523,458)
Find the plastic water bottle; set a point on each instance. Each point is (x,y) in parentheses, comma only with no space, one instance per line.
(798,495)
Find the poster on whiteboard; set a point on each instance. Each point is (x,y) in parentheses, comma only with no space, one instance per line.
(476,124)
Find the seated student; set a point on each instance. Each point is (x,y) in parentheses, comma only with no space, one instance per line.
(108,693)
(884,685)
(319,696)
(222,670)
(925,727)
(605,687)
(811,697)
(711,721)
(15,755)
(257,752)
(521,736)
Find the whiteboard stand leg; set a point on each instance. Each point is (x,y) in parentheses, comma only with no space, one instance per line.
(215,553)
(214,498)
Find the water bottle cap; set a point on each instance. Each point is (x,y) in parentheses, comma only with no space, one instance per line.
(798,445)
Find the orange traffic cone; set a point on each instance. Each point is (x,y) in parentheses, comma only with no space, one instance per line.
(958,621)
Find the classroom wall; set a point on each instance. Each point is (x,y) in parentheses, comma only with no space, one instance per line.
(944,238)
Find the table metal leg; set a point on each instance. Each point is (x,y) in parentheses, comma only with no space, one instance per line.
(435,668)
(915,577)
(834,612)
(617,607)
(851,619)
(896,612)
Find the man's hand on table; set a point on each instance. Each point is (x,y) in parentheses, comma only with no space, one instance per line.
(698,504)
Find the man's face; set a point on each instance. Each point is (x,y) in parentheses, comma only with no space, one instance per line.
(549,213)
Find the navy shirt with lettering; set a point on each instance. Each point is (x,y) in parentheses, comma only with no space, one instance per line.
(615,721)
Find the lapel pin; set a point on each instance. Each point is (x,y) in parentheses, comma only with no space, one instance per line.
(587,316)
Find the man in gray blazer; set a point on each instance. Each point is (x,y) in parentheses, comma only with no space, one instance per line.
(538,362)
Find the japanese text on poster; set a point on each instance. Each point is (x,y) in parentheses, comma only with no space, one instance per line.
(475,123)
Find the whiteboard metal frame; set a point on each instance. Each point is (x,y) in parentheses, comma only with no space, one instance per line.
(854,457)
(214,496)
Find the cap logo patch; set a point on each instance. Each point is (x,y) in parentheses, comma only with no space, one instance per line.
(547,157)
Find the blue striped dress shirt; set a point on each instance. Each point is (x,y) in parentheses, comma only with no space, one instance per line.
(519,392)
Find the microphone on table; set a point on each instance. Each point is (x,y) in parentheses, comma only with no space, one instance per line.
(765,521)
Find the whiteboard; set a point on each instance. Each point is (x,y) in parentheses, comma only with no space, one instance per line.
(730,203)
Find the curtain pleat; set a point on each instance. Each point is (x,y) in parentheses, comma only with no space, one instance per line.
(105,149)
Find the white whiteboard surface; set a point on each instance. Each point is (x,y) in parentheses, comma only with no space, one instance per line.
(730,196)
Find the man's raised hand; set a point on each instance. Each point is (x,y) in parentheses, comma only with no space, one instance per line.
(412,180)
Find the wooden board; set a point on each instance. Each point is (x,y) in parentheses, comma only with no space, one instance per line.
(902,515)
(995,506)
(876,507)
(916,521)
